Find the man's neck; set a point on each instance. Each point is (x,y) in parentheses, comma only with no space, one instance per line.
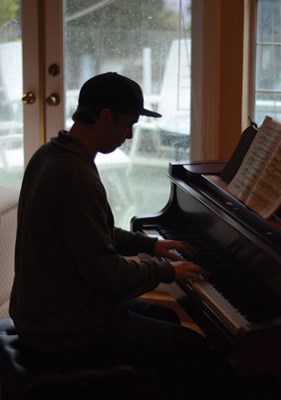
(85,135)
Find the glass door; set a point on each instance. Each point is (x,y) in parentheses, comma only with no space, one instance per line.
(43,71)
(50,47)
(28,112)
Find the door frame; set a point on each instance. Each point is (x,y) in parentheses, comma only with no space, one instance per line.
(42,38)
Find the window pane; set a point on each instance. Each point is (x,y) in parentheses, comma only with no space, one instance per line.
(268,60)
(11,126)
(148,41)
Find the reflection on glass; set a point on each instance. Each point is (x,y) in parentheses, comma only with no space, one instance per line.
(11,125)
(148,41)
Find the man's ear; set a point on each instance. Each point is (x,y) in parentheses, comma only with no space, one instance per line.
(105,114)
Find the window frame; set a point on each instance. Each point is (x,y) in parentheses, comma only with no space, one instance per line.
(222,80)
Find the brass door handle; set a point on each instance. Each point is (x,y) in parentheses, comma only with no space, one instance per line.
(28,98)
(53,99)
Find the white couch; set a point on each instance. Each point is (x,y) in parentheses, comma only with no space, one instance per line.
(8,223)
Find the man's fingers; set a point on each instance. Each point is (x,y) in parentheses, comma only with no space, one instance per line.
(189,270)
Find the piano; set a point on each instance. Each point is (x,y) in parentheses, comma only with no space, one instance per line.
(239,306)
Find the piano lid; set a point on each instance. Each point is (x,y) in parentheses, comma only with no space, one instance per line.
(205,176)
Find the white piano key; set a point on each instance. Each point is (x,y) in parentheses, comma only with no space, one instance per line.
(220,305)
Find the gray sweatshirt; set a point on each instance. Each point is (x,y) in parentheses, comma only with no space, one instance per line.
(71,278)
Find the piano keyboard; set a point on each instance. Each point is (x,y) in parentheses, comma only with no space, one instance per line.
(211,296)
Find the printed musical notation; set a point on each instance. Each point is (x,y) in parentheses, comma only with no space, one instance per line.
(257,182)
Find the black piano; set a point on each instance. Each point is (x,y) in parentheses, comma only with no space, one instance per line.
(239,306)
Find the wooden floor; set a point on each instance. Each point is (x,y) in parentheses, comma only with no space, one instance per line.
(163,297)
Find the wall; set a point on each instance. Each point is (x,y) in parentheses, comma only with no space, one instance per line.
(218,68)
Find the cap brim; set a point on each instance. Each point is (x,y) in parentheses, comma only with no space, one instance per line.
(149,113)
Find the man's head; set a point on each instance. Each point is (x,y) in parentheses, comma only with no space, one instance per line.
(110,91)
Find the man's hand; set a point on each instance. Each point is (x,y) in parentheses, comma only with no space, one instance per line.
(189,270)
(183,269)
(164,248)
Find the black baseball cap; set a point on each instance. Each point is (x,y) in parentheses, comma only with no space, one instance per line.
(114,91)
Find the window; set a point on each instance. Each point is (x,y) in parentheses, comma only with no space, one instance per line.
(11,125)
(268,60)
(148,41)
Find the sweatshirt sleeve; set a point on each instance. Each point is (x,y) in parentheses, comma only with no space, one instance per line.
(88,239)
(130,243)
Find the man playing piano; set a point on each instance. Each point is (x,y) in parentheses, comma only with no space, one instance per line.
(75,288)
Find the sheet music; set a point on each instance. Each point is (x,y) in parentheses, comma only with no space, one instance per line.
(258,180)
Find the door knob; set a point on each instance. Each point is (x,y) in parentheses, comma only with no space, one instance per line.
(53,99)
(28,98)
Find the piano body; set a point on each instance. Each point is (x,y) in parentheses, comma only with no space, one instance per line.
(239,306)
